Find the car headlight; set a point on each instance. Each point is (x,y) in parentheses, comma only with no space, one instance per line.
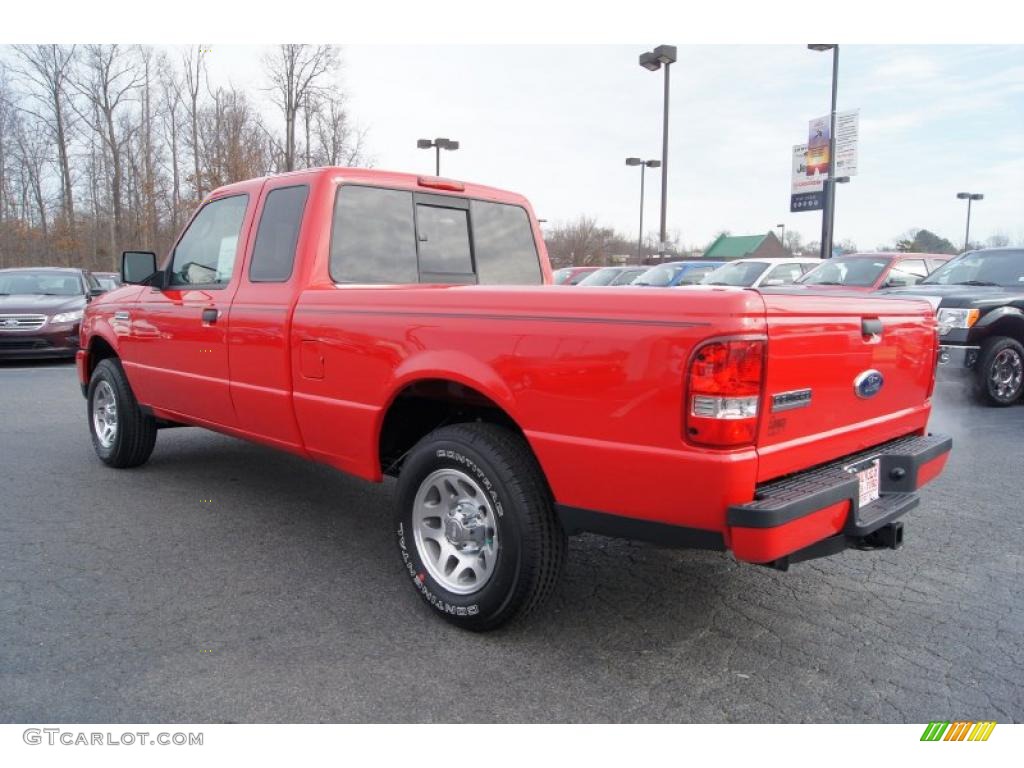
(67,317)
(956,318)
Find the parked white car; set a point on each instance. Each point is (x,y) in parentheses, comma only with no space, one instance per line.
(755,273)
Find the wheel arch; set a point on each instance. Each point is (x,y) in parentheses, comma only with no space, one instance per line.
(430,397)
(1004,321)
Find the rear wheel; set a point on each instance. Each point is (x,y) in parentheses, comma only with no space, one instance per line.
(122,435)
(475,526)
(999,372)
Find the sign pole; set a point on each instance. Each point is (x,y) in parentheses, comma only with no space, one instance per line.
(829,210)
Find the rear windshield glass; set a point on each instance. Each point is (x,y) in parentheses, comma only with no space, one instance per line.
(660,275)
(739,273)
(603,276)
(503,245)
(861,272)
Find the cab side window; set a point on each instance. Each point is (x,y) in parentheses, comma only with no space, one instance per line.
(273,255)
(206,253)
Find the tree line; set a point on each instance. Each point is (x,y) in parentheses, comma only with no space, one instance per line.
(585,242)
(106,147)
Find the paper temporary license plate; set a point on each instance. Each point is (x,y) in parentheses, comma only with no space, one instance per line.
(867,478)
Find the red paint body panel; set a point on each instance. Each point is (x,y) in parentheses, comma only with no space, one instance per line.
(594,377)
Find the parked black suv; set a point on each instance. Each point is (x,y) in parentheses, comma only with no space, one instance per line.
(981,320)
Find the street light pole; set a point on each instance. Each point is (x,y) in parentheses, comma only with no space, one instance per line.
(829,210)
(644,165)
(969,197)
(653,61)
(782,237)
(437,144)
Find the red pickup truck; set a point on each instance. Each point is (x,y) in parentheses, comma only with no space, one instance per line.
(389,324)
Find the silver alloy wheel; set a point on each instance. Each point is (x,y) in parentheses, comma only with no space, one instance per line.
(456,531)
(1006,373)
(104,414)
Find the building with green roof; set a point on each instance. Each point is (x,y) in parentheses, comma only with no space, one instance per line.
(729,247)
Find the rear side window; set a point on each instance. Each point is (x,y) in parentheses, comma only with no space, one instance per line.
(444,241)
(273,255)
(373,237)
(505,251)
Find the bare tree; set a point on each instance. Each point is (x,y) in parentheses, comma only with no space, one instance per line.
(48,70)
(109,83)
(233,139)
(33,155)
(338,143)
(297,76)
(194,65)
(171,92)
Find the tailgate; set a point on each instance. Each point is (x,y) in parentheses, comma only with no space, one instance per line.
(843,373)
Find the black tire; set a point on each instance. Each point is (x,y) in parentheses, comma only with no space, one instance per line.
(999,372)
(135,435)
(532,548)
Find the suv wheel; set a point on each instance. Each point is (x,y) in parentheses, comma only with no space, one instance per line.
(475,526)
(122,434)
(1000,371)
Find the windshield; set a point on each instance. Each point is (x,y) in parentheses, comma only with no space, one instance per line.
(562,276)
(627,276)
(663,274)
(108,283)
(603,276)
(28,282)
(738,273)
(863,272)
(1005,268)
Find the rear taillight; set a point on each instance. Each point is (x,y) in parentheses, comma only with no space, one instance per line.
(724,392)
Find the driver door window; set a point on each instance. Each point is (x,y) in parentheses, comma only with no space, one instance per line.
(205,255)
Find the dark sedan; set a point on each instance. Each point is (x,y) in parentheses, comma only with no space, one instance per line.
(41,310)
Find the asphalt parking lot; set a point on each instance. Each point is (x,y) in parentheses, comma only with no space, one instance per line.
(227,582)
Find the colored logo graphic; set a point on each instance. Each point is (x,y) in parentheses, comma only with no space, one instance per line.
(958,731)
(868,384)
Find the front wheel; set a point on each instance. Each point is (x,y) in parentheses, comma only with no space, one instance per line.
(122,435)
(1000,371)
(475,527)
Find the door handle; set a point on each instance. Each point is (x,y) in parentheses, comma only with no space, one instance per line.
(210,315)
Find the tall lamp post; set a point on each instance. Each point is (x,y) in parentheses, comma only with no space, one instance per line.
(828,214)
(437,145)
(969,197)
(653,61)
(644,165)
(782,237)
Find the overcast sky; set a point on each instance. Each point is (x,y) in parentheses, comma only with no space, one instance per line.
(556,123)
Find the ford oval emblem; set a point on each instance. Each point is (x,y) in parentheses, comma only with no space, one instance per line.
(868,384)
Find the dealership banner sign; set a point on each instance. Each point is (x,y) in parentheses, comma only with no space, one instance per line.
(810,160)
(806,191)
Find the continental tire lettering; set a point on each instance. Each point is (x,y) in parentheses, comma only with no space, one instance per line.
(444,607)
(468,463)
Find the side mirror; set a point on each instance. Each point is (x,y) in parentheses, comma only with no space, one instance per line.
(94,292)
(137,267)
